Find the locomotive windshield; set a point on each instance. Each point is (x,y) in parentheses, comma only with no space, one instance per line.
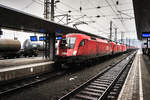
(67,43)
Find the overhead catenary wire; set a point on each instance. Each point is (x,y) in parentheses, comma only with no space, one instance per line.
(121,18)
(27,6)
(96,8)
(101,14)
(75,9)
(40,2)
(115,12)
(63,13)
(98,25)
(107,19)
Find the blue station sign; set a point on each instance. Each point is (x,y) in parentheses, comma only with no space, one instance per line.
(42,38)
(33,38)
(146,34)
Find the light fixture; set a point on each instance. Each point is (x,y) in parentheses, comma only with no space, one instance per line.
(117,2)
(98,7)
(98,16)
(69,11)
(57,1)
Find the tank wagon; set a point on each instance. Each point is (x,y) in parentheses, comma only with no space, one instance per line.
(12,48)
(30,49)
(9,48)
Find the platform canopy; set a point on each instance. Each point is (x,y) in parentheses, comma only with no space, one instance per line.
(142,16)
(17,20)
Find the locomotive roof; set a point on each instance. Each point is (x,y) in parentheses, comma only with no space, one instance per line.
(77,34)
(85,35)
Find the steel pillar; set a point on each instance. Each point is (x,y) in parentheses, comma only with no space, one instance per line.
(50,46)
(116,35)
(110,30)
(46,46)
(47,9)
(52,50)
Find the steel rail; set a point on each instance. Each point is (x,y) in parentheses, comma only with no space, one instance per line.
(27,82)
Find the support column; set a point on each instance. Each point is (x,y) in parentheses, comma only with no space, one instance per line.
(110,30)
(52,10)
(47,45)
(52,38)
(116,35)
(147,47)
(147,43)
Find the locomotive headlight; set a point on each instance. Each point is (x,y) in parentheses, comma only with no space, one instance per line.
(74,52)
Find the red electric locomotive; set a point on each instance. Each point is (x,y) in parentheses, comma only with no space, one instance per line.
(76,48)
(119,48)
(123,48)
(114,47)
(80,47)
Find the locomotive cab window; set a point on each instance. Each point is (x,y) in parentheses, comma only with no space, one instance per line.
(68,43)
(82,43)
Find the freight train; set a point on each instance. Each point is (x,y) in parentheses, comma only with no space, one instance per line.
(12,48)
(75,48)
(9,48)
(32,48)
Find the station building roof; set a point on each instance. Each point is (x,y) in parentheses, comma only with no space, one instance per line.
(142,16)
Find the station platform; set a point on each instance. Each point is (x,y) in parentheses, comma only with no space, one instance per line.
(137,84)
(20,61)
(13,69)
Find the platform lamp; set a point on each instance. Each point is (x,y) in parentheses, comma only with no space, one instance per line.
(117,2)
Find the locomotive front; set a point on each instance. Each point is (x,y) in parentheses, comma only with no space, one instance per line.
(67,48)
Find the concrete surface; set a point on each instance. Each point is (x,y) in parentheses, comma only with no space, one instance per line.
(20,61)
(137,85)
(12,69)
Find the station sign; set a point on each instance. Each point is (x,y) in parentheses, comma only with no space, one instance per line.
(33,38)
(146,34)
(42,30)
(42,38)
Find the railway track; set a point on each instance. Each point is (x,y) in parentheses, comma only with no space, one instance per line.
(30,81)
(105,85)
(27,82)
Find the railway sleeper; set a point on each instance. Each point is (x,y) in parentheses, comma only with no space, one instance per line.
(85,97)
(93,90)
(90,93)
(98,84)
(97,87)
